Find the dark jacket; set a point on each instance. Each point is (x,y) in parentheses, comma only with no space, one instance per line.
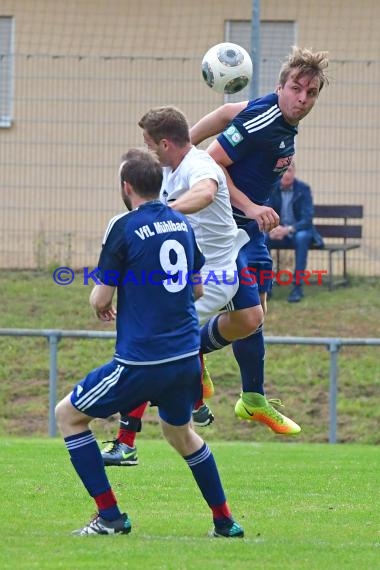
(303,208)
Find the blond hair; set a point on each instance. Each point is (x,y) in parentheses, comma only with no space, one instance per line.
(306,62)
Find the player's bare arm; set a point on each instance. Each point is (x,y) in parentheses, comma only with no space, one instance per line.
(198,197)
(265,216)
(215,122)
(101,301)
(197,287)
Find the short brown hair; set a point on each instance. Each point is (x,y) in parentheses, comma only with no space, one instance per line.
(142,170)
(306,62)
(166,123)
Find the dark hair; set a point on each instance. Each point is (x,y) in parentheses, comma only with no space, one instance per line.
(142,170)
(166,123)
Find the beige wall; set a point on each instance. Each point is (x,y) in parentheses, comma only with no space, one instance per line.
(87,70)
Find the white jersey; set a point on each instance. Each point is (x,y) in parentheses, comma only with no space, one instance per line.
(214,227)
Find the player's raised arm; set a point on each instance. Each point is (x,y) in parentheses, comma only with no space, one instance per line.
(215,122)
(266,217)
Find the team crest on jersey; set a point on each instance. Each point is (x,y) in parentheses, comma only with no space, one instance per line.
(233,136)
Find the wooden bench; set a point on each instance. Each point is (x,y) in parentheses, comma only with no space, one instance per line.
(342,231)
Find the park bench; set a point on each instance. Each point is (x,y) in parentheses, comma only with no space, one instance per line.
(340,235)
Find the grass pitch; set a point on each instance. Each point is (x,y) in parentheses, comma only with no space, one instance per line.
(304,506)
(299,375)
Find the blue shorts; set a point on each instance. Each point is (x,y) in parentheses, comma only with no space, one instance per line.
(173,386)
(256,256)
(247,294)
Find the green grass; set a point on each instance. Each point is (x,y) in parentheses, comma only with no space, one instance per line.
(303,507)
(299,375)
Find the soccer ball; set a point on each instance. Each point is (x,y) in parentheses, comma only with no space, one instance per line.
(227,68)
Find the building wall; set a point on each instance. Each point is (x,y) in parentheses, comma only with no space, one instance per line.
(86,71)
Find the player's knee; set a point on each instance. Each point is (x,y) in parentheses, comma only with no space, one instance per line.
(69,419)
(177,440)
(252,320)
(180,437)
(245,322)
(264,305)
(58,411)
(61,414)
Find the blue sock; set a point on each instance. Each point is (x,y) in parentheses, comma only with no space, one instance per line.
(88,463)
(211,339)
(205,473)
(249,353)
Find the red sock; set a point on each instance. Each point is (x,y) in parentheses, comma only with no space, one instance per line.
(128,436)
(105,500)
(198,404)
(221,512)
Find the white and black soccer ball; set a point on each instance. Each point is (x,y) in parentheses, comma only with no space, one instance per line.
(227,68)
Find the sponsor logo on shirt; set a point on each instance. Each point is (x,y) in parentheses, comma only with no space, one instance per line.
(233,136)
(282,164)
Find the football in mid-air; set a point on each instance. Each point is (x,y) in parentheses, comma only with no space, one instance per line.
(227,68)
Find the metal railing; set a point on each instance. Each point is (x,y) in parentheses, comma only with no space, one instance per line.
(333,345)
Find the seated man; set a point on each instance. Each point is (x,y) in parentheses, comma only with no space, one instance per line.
(292,200)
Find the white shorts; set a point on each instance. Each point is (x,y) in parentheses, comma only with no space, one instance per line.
(220,284)
(219,287)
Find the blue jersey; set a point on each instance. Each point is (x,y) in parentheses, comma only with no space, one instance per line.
(261,144)
(150,255)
